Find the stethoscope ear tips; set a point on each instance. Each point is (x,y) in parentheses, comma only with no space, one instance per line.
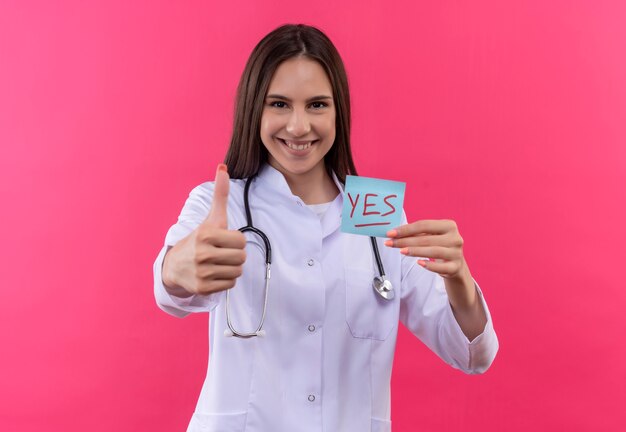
(261,333)
(228,333)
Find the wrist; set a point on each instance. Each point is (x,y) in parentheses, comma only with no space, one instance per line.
(165,269)
(461,290)
(168,277)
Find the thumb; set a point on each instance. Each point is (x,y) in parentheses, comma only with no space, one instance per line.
(217,216)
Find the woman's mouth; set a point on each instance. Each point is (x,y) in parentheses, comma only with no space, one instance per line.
(297,145)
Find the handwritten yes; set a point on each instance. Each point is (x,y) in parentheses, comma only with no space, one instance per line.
(367,204)
(372,206)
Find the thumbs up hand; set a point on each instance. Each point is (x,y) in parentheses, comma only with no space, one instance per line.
(210,258)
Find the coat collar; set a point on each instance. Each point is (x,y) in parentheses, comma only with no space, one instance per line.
(275,181)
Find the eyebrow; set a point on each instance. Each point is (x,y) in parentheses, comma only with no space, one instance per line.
(311,99)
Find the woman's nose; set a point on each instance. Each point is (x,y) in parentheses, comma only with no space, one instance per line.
(298,124)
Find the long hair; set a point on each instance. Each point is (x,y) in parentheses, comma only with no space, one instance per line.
(246,152)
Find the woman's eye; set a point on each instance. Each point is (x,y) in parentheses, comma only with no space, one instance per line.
(281,104)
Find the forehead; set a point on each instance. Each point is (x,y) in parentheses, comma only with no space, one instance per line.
(300,75)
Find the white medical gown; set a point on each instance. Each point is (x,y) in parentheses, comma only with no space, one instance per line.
(325,362)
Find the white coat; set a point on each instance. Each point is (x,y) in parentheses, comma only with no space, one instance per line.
(325,362)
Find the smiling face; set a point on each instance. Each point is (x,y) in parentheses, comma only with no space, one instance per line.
(298,120)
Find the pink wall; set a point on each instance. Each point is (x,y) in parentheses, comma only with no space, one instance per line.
(508,117)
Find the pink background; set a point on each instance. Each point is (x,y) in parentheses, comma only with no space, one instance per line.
(508,117)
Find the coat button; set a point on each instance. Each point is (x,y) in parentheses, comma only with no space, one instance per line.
(311,328)
(310,262)
(311,398)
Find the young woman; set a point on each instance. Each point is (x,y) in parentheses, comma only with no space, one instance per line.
(311,347)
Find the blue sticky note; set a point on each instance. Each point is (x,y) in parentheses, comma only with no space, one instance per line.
(371,206)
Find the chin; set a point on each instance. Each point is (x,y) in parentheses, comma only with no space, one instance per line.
(288,167)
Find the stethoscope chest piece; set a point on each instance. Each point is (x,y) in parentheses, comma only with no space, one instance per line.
(383,287)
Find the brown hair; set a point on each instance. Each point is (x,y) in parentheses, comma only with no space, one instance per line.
(246,152)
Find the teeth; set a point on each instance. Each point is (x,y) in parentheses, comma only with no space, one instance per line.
(295,146)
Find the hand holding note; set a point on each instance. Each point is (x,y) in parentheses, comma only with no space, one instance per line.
(441,242)
(438,240)
(211,258)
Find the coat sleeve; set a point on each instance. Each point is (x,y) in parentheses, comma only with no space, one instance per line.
(425,310)
(194,211)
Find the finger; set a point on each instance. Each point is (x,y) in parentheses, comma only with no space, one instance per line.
(221,238)
(216,272)
(422,227)
(221,256)
(425,240)
(444,268)
(432,252)
(217,216)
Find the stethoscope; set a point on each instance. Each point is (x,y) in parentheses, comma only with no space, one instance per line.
(381,284)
